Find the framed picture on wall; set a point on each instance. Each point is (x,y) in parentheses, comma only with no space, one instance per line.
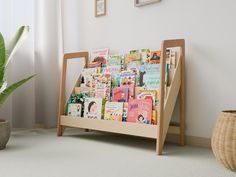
(100,8)
(139,3)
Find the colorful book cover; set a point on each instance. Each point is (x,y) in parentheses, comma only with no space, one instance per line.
(111,69)
(155,57)
(93,108)
(83,90)
(113,111)
(95,64)
(115,60)
(145,54)
(99,56)
(125,112)
(132,57)
(134,67)
(101,84)
(86,76)
(74,109)
(147,70)
(127,80)
(147,94)
(120,94)
(140,111)
(151,81)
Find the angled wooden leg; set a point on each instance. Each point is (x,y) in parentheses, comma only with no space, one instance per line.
(60,130)
(158,147)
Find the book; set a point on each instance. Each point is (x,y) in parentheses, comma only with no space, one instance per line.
(151,81)
(147,70)
(127,80)
(120,94)
(111,69)
(115,60)
(99,56)
(86,76)
(113,111)
(93,108)
(147,94)
(125,112)
(154,117)
(83,90)
(145,54)
(155,57)
(140,111)
(101,84)
(134,67)
(74,109)
(131,58)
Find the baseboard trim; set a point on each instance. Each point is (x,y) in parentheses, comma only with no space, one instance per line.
(190,140)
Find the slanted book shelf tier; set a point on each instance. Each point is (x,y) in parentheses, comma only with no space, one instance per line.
(167,101)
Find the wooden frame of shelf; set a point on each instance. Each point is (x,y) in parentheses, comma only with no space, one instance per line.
(166,105)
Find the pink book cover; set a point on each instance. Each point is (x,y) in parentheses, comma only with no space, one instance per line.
(140,111)
(127,80)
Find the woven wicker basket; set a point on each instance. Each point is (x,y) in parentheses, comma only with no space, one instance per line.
(224,139)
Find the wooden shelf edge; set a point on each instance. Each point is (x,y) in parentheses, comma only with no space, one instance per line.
(127,128)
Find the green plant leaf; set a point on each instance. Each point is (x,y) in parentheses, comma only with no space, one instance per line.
(20,35)
(2,51)
(11,88)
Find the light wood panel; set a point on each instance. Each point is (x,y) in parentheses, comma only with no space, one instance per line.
(135,129)
(62,102)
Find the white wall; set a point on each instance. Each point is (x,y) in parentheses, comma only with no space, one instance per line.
(209,29)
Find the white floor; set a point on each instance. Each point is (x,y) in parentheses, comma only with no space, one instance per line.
(39,153)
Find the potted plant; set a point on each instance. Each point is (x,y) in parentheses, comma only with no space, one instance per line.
(6,54)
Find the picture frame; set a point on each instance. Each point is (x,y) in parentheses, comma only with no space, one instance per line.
(100,8)
(139,3)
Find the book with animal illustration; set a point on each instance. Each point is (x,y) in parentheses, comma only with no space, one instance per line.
(99,57)
(140,111)
(151,71)
(93,108)
(155,57)
(74,109)
(113,111)
(120,94)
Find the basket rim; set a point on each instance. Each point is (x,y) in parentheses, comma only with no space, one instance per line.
(3,121)
(232,112)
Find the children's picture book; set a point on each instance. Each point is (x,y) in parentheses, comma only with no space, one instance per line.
(86,76)
(115,60)
(132,57)
(147,94)
(127,80)
(83,90)
(93,108)
(134,67)
(113,111)
(101,83)
(145,54)
(120,94)
(147,70)
(125,112)
(140,111)
(151,81)
(111,69)
(74,109)
(155,57)
(99,56)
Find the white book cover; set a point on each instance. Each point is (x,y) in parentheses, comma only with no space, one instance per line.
(93,108)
